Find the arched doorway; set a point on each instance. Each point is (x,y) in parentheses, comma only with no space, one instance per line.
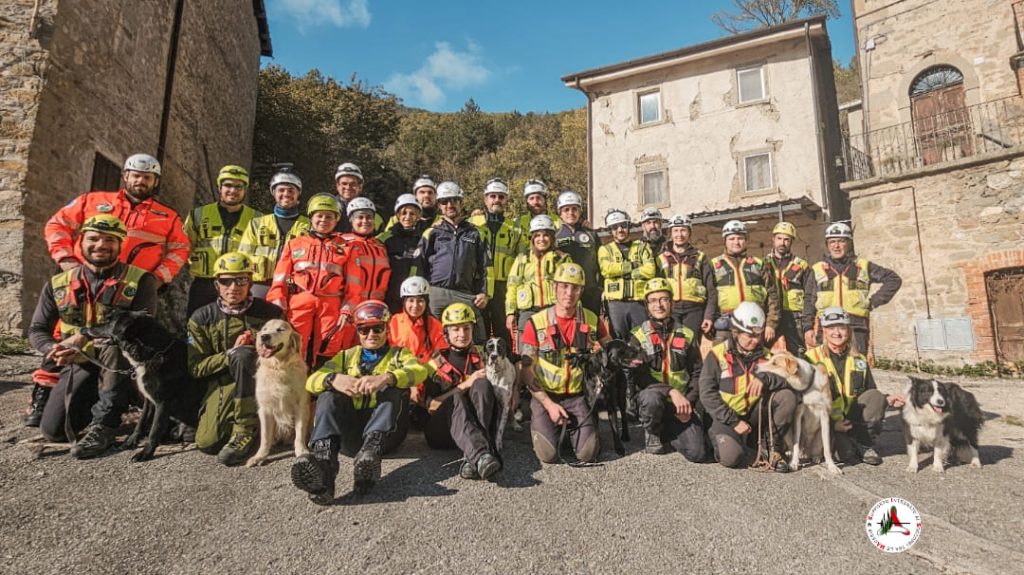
(942,122)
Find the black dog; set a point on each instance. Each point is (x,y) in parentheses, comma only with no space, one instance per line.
(605,375)
(160,365)
(943,416)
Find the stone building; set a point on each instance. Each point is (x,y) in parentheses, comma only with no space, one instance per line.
(743,127)
(83,85)
(936,168)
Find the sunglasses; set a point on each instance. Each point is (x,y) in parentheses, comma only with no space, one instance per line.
(619,226)
(233,281)
(446,201)
(368,329)
(231,186)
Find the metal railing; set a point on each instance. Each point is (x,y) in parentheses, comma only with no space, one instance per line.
(931,140)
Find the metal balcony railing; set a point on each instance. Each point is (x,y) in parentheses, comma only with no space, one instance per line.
(932,140)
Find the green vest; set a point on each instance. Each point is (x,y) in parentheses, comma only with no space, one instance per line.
(209,238)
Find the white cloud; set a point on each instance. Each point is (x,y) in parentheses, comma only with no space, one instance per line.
(445,69)
(338,13)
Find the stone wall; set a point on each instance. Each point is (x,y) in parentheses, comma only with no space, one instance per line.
(970,219)
(104,94)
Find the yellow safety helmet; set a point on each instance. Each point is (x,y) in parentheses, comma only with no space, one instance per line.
(232,172)
(570,273)
(785,228)
(457,314)
(659,284)
(232,263)
(105,224)
(323,203)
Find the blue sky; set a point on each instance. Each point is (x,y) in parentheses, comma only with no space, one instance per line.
(505,55)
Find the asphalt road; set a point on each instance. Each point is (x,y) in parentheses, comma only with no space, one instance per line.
(184,513)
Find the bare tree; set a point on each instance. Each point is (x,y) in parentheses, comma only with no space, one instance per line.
(748,15)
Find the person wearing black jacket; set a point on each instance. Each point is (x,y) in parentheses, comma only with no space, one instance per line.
(580,243)
(400,241)
(694,296)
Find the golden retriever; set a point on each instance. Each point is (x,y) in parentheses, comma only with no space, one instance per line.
(280,389)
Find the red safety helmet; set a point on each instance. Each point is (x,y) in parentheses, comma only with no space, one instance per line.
(371,312)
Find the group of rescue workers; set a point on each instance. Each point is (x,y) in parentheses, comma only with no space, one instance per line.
(391,316)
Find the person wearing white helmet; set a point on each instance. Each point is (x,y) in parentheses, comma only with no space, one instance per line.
(214,230)
(842,279)
(265,237)
(737,397)
(740,277)
(530,279)
(694,297)
(424,193)
(348,184)
(576,238)
(535,192)
(625,266)
(504,240)
(413,327)
(453,258)
(400,241)
(789,272)
(651,222)
(366,266)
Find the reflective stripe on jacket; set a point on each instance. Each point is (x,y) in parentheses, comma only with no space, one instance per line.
(552,370)
(264,243)
(735,379)
(619,280)
(847,388)
(210,240)
(685,275)
(529,281)
(789,280)
(739,284)
(397,361)
(848,288)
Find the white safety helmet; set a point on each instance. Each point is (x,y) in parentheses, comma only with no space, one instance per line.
(535,187)
(732,227)
(406,200)
(449,190)
(542,223)
(414,286)
(285,178)
(348,169)
(838,230)
(834,316)
(360,204)
(142,163)
(496,186)
(569,199)
(748,317)
(651,214)
(424,180)
(680,221)
(615,217)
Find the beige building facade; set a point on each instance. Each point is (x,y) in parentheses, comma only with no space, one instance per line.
(83,85)
(742,127)
(935,161)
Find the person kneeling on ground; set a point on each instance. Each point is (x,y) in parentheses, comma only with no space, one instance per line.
(557,386)
(857,405)
(361,407)
(222,353)
(731,393)
(459,398)
(668,398)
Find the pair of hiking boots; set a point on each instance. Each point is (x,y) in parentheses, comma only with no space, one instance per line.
(316,472)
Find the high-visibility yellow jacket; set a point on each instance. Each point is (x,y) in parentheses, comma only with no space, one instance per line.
(846,387)
(264,243)
(626,277)
(789,281)
(398,361)
(529,281)
(502,248)
(210,239)
(552,371)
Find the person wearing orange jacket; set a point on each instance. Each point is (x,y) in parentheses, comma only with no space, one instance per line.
(309,281)
(156,242)
(366,264)
(413,328)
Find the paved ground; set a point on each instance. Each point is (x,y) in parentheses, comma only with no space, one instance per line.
(183,513)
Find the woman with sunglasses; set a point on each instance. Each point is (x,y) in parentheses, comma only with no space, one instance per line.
(222,353)
(361,406)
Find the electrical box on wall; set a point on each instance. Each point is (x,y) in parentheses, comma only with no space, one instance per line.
(945,334)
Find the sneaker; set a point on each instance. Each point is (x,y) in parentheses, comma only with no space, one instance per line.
(97,439)
(316,477)
(35,412)
(238,449)
(487,466)
(366,465)
(654,445)
(468,471)
(869,456)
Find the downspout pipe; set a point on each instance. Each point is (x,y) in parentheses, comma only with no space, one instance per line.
(590,155)
(172,61)
(819,138)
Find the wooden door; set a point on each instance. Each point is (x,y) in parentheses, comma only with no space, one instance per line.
(1006,304)
(942,124)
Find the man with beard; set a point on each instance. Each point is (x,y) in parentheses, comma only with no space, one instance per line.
(86,296)
(265,237)
(694,298)
(844,280)
(536,194)
(155,242)
(503,240)
(348,183)
(424,194)
(214,230)
(580,243)
(651,223)
(788,271)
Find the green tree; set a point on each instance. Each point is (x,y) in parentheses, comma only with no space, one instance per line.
(746,15)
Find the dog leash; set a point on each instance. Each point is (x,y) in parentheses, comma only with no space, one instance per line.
(762,463)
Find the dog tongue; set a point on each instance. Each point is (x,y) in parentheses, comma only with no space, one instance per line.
(937,409)
(266,352)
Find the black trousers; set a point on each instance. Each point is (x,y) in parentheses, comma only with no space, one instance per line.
(494,314)
(98,395)
(337,416)
(789,328)
(658,417)
(691,315)
(467,421)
